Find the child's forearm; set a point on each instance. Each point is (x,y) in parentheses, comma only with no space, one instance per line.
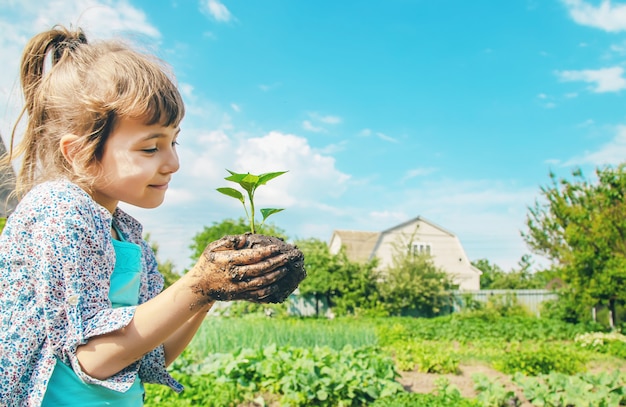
(153,323)
(178,341)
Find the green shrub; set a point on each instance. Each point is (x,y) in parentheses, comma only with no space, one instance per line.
(612,343)
(200,390)
(291,376)
(557,389)
(446,395)
(492,392)
(542,359)
(426,357)
(425,400)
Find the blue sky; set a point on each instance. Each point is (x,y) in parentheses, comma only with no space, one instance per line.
(382,111)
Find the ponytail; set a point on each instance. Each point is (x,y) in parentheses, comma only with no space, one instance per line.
(74,87)
(56,44)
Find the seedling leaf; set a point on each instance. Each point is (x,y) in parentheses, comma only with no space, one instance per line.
(263,178)
(232,192)
(266,212)
(250,182)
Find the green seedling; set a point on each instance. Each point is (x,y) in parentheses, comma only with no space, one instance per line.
(250,182)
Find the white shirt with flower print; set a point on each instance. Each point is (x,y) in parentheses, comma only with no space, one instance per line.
(56,259)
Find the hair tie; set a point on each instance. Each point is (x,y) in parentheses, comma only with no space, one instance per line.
(68,44)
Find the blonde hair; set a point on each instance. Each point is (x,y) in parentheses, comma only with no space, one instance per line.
(85,92)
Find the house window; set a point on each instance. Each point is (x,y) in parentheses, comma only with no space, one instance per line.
(420,248)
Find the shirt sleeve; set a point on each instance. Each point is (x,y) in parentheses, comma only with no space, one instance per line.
(75,260)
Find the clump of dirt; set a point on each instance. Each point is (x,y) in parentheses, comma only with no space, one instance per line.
(295,265)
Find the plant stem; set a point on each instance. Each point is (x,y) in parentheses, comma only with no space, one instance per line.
(251,196)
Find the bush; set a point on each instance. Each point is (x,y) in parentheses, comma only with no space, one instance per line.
(291,376)
(446,395)
(200,390)
(543,359)
(612,343)
(419,399)
(426,357)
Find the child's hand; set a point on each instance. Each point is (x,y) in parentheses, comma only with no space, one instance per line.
(227,271)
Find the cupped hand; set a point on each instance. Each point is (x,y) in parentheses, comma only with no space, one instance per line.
(228,271)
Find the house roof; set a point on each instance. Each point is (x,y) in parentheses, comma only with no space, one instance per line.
(358,245)
(402,225)
(415,220)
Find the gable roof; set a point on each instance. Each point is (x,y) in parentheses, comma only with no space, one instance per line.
(415,220)
(402,225)
(359,245)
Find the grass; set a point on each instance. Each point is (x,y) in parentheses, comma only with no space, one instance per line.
(225,335)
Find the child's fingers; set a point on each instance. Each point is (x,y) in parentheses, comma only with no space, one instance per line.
(263,287)
(230,242)
(245,257)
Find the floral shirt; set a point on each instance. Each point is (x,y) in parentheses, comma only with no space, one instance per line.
(56,259)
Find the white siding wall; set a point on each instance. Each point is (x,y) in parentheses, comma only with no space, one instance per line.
(335,244)
(445,249)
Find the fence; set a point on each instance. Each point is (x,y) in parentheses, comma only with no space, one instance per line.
(531,299)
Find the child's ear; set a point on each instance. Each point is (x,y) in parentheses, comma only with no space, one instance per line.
(68,146)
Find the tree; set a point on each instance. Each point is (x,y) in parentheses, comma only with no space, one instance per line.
(491,273)
(414,285)
(521,278)
(581,227)
(346,286)
(228,227)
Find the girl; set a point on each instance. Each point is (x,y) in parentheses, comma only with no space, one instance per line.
(83,318)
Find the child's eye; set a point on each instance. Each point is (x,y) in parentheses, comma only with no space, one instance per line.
(150,150)
(175,143)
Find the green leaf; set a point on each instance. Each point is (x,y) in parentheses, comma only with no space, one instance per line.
(264,178)
(232,193)
(248,181)
(266,212)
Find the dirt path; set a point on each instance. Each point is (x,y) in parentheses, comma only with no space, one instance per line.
(425,382)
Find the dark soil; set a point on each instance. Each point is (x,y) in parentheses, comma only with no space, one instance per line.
(295,265)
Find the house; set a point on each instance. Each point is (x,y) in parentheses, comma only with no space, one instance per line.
(7,182)
(423,236)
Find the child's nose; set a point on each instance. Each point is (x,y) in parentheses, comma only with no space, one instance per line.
(171,163)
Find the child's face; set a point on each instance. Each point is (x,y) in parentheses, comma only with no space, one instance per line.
(137,164)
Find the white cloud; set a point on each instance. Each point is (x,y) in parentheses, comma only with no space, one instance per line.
(235,107)
(385,137)
(308,126)
(611,153)
(326,119)
(268,87)
(390,217)
(418,172)
(606,16)
(315,118)
(330,119)
(192,202)
(605,80)
(486,215)
(217,10)
(312,176)
(19,21)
